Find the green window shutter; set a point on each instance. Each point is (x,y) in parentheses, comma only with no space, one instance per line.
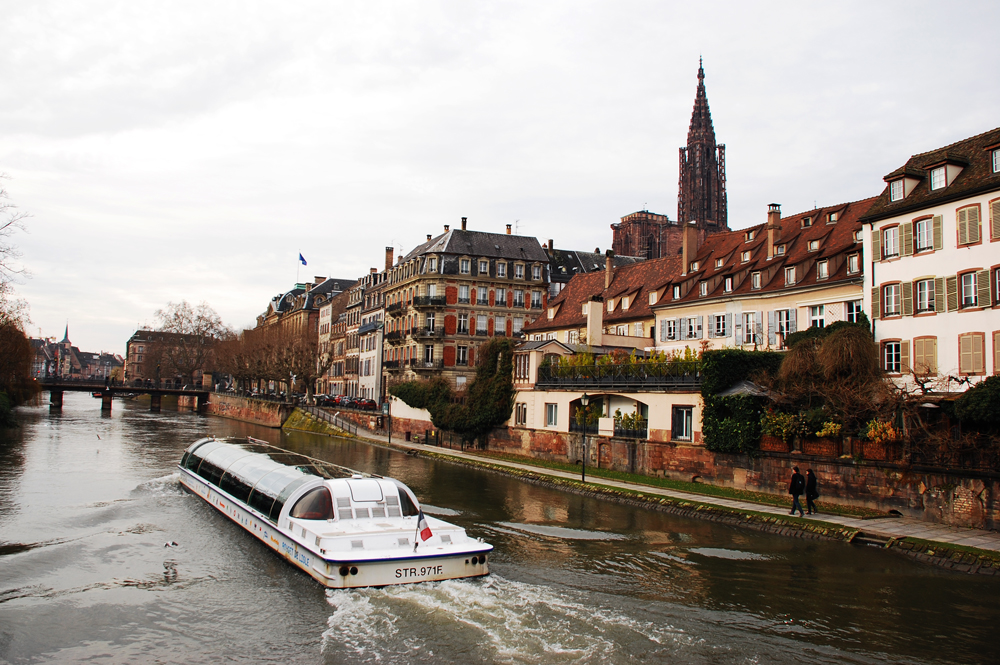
(904,356)
(939,294)
(907,298)
(974,231)
(938,232)
(907,233)
(983,288)
(876,304)
(876,244)
(951,285)
(995,220)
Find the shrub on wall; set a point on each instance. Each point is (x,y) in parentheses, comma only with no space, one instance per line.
(733,424)
(979,406)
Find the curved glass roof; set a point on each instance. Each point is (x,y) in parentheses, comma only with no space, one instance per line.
(255,470)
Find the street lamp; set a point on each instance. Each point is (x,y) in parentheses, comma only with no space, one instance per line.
(584,400)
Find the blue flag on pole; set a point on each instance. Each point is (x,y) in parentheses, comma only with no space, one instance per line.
(302,259)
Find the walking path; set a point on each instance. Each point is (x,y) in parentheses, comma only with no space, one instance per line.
(900,527)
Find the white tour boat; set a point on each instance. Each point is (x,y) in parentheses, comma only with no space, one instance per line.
(344,528)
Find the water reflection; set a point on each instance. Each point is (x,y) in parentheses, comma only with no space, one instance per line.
(91,517)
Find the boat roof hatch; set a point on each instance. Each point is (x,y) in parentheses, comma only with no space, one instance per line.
(367,489)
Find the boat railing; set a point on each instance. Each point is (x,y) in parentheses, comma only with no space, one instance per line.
(321,467)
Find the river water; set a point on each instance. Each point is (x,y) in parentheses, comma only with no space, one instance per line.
(89,504)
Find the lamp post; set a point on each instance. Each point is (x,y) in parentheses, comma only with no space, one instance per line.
(584,400)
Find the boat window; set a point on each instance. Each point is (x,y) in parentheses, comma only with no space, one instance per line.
(261,503)
(315,505)
(210,472)
(235,487)
(292,487)
(406,503)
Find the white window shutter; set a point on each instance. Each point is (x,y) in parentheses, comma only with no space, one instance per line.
(793,319)
(698,330)
(729,325)
(770,328)
(663,330)
(938,232)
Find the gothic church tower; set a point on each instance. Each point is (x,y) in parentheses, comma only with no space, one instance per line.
(701,191)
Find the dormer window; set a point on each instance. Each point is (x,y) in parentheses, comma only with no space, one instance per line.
(807,221)
(611,304)
(779,250)
(625,303)
(652,297)
(677,293)
(813,245)
(896,190)
(745,256)
(702,288)
(718,263)
(938,178)
(789,276)
(501,269)
(750,236)
(432,264)
(831,218)
(996,160)
(536,272)
(586,308)
(822,270)
(728,285)
(857,236)
(484,267)
(519,271)
(464,266)
(755,280)
(694,266)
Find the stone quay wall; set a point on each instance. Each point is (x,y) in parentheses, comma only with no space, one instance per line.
(249,410)
(968,499)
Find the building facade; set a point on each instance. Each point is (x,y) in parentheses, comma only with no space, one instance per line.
(934,280)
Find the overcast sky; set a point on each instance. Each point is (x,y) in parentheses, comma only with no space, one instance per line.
(173,150)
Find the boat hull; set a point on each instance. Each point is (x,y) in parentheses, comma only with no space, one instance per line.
(339,572)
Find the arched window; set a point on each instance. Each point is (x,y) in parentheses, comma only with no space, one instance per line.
(317,504)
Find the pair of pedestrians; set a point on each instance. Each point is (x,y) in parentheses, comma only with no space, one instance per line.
(798,485)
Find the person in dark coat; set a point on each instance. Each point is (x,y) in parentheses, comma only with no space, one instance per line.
(812,492)
(795,488)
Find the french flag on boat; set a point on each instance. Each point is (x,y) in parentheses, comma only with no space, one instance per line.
(422,528)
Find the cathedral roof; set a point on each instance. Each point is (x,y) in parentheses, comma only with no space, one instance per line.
(701,130)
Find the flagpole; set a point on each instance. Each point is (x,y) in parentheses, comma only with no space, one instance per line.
(298,265)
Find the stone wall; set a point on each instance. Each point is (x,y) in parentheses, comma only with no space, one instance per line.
(970,500)
(249,410)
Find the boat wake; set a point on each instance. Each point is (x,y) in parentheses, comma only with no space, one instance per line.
(501,621)
(168,485)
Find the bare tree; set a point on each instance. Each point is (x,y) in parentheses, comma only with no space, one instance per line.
(196,331)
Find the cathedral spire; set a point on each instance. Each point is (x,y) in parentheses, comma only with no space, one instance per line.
(701,196)
(65,339)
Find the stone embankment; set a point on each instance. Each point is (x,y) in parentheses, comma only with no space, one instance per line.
(249,410)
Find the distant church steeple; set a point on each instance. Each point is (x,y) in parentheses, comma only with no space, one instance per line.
(65,339)
(701,189)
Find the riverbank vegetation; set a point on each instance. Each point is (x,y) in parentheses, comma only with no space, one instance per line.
(16,352)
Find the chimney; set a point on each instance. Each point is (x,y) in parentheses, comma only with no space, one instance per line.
(372,271)
(773,227)
(552,246)
(428,237)
(447,227)
(388,258)
(464,221)
(609,269)
(508,229)
(689,246)
(318,280)
(595,321)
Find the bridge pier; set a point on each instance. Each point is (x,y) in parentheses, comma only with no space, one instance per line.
(202,403)
(55,399)
(106,401)
(154,402)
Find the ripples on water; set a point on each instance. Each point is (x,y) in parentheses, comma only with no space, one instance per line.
(104,558)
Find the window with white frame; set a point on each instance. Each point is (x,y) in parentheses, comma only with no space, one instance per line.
(428,353)
(521,414)
(813,245)
(638,329)
(749,327)
(518,271)
(551,415)
(923,235)
(481,324)
(892,357)
(573,337)
(831,218)
(896,190)
(822,269)
(719,326)
(463,324)
(789,276)
(890,242)
(462,355)
(463,293)
(703,288)
(518,298)
(853,264)
(464,266)
(536,299)
(536,272)
(996,160)
(779,250)
(925,295)
(817,316)
(681,423)
(501,297)
(719,262)
(690,327)
(432,264)
(501,269)
(677,293)
(938,179)
(727,285)
(890,300)
(668,329)
(969,292)
(500,325)
(518,324)
(750,235)
(783,321)
(755,280)
(853,309)
(482,296)
(745,256)
(484,267)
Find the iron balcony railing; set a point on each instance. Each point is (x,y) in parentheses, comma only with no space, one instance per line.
(428,333)
(429,301)
(395,336)
(639,431)
(674,376)
(395,307)
(428,364)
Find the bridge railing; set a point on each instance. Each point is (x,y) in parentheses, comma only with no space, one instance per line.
(332,418)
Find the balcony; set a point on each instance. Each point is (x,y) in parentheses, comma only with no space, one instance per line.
(519,303)
(395,336)
(429,333)
(639,430)
(369,327)
(481,333)
(429,301)
(663,376)
(483,302)
(536,305)
(422,365)
(463,301)
(396,307)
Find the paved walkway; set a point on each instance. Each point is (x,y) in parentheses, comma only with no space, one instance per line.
(888,527)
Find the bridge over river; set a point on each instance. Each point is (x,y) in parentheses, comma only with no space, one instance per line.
(56,388)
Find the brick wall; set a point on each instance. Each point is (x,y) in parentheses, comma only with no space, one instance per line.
(248,410)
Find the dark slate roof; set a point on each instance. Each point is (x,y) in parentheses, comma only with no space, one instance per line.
(481,243)
(332,285)
(564,263)
(976,178)
(835,240)
(636,279)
